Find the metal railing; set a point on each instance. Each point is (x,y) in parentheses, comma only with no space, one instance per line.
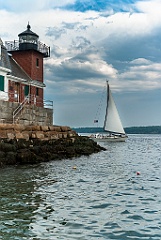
(28,100)
(48,104)
(15,46)
(19,108)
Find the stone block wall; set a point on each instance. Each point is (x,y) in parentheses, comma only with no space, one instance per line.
(18,131)
(30,114)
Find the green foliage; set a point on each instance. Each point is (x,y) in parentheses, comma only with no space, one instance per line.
(143,130)
(88,129)
(128,130)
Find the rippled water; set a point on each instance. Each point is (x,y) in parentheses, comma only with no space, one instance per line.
(96,197)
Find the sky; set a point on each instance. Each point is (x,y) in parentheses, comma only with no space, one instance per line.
(93,41)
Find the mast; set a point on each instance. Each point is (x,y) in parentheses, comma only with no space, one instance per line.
(107,94)
(112,121)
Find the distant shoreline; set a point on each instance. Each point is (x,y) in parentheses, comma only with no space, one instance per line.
(128,130)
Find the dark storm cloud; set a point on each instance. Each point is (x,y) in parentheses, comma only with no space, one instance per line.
(73,69)
(123,50)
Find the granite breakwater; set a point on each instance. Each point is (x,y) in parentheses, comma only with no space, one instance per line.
(21,144)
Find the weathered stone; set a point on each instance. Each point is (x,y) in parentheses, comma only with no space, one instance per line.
(19,135)
(60,135)
(3,134)
(2,154)
(65,135)
(33,135)
(10,158)
(6,126)
(36,128)
(44,128)
(29,128)
(22,135)
(25,156)
(71,133)
(19,127)
(7,147)
(72,140)
(30,114)
(10,135)
(26,135)
(65,128)
(33,151)
(55,128)
(39,135)
(19,144)
(54,136)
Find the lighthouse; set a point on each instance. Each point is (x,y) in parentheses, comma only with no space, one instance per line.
(22,79)
(29,53)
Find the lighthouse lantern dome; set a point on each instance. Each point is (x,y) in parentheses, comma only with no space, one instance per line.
(28,39)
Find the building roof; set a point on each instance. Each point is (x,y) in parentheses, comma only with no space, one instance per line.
(17,71)
(13,69)
(11,66)
(4,58)
(28,32)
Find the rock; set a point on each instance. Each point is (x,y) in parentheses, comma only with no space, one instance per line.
(10,135)
(44,128)
(21,151)
(25,156)
(33,144)
(11,158)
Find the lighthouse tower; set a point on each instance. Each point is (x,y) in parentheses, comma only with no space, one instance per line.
(28,52)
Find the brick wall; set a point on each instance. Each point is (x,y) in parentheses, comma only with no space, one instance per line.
(28,61)
(32,63)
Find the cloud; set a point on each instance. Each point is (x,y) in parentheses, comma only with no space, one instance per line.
(32,5)
(92,41)
(55,32)
(81,67)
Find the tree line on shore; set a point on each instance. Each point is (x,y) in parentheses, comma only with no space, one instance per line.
(128,130)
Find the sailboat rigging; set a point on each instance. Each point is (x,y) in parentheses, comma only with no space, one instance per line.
(112,123)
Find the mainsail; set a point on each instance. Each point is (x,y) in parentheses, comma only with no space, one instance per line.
(112,121)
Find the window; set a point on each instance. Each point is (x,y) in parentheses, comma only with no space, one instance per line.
(1,83)
(26,90)
(37,91)
(37,62)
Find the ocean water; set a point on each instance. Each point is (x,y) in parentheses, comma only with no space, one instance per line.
(115,194)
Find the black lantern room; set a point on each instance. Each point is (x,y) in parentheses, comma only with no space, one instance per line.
(28,40)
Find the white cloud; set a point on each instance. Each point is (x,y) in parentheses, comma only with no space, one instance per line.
(89,47)
(140,61)
(32,5)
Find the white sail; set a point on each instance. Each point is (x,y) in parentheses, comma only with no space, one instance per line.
(112,120)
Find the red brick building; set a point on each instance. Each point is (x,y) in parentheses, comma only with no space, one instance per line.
(28,52)
(21,69)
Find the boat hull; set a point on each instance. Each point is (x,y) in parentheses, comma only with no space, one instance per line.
(104,138)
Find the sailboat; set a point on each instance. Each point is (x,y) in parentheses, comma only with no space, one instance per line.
(112,123)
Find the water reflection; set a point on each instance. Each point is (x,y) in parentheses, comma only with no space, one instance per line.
(18,201)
